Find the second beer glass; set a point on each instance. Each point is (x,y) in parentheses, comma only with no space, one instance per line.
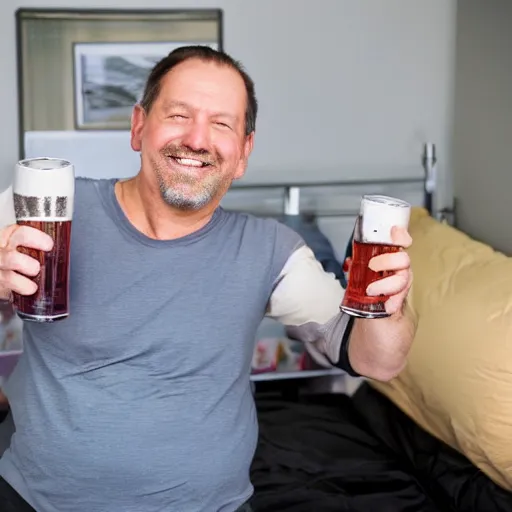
(372,237)
(43,199)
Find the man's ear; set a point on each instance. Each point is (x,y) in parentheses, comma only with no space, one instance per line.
(242,165)
(138,120)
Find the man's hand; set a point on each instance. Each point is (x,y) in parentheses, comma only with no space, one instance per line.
(397,285)
(17,268)
(378,348)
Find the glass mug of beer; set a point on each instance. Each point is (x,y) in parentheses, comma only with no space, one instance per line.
(372,237)
(44,190)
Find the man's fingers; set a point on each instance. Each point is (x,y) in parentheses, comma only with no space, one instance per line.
(391,285)
(401,237)
(15,266)
(390,262)
(15,282)
(32,238)
(396,302)
(6,233)
(19,262)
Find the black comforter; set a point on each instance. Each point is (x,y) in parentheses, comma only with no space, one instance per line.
(361,454)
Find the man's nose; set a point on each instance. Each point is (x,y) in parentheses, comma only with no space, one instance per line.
(197,136)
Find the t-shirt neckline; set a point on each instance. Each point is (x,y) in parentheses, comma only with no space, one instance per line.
(107,190)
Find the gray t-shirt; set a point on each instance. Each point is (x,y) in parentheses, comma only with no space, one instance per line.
(140,401)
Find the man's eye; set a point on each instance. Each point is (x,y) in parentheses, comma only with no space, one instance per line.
(223,125)
(177,116)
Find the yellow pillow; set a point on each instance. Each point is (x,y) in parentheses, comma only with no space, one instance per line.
(458,381)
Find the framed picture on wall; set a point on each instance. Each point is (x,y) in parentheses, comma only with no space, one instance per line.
(80,71)
(109,80)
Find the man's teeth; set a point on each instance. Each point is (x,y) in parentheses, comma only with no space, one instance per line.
(190,161)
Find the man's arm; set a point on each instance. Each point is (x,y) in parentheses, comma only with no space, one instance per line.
(306,300)
(378,348)
(15,266)
(7,217)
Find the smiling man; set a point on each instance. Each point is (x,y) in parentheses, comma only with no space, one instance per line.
(140,401)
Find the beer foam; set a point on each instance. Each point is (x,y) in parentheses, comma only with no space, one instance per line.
(378,214)
(44,189)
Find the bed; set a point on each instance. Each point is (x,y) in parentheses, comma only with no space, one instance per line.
(333,453)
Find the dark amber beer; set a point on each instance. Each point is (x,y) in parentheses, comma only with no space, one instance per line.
(43,199)
(372,237)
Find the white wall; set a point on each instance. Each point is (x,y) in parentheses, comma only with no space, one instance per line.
(483,121)
(347,89)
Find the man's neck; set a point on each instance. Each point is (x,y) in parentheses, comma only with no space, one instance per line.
(151,215)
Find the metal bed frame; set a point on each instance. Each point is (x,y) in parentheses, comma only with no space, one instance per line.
(292,190)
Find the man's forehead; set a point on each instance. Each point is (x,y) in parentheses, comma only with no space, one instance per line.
(191,84)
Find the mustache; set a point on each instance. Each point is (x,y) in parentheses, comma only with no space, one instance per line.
(185,152)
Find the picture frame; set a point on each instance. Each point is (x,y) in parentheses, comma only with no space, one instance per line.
(51,105)
(109,79)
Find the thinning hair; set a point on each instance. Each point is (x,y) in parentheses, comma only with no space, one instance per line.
(206,54)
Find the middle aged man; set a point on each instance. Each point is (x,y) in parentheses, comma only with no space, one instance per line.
(140,401)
